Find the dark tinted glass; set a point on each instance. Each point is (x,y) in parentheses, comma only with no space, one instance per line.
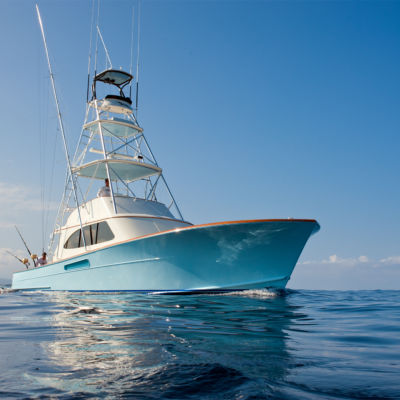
(104,233)
(94,233)
(86,232)
(73,241)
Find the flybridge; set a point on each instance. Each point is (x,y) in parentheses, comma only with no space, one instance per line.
(126,155)
(119,138)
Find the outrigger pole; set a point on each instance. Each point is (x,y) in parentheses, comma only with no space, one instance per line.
(60,123)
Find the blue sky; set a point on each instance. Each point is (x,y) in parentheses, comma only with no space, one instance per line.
(254,109)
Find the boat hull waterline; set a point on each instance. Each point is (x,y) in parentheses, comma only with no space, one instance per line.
(223,256)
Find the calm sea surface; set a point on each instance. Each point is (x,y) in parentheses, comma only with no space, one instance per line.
(249,345)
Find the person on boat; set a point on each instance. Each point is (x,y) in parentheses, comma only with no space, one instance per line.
(42,260)
(105,190)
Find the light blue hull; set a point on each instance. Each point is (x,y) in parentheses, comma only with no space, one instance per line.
(226,256)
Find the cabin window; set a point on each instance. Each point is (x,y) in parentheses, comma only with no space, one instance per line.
(103,233)
(94,234)
(73,241)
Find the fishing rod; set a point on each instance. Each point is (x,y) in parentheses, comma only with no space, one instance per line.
(26,246)
(22,260)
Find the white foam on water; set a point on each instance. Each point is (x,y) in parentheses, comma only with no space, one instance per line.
(5,290)
(255,293)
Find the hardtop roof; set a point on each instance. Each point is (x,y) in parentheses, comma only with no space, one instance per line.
(114,77)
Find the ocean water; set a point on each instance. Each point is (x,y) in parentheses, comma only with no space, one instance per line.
(247,345)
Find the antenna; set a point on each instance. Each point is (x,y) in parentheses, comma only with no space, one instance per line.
(97,38)
(60,119)
(133,25)
(137,60)
(105,47)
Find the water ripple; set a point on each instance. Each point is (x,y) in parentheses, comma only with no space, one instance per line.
(244,345)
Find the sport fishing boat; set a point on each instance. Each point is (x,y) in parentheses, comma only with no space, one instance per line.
(131,236)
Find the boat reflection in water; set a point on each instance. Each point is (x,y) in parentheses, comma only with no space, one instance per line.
(169,346)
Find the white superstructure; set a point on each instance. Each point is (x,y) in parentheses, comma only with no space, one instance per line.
(102,226)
